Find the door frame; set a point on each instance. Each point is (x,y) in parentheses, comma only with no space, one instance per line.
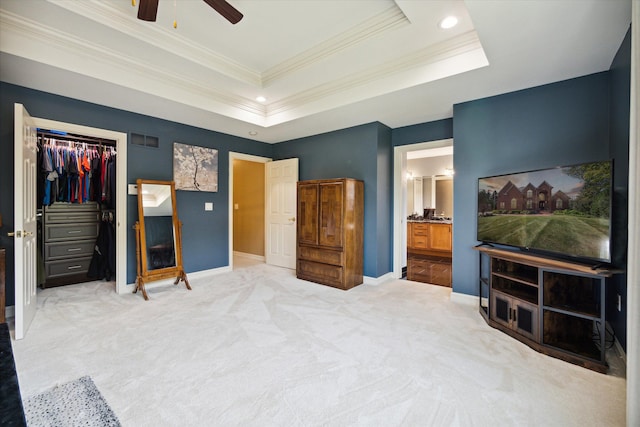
(250,158)
(400,198)
(121,188)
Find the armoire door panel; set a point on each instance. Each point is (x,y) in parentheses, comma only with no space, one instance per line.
(331,221)
(307,214)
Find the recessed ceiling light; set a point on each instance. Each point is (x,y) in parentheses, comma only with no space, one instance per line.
(261,99)
(448,22)
(253,133)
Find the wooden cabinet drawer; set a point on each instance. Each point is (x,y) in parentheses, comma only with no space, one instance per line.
(62,232)
(67,267)
(420,229)
(321,273)
(419,242)
(322,255)
(75,249)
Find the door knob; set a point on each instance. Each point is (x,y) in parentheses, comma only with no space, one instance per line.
(20,233)
(292,219)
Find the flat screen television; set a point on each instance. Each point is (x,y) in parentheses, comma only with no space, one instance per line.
(563,211)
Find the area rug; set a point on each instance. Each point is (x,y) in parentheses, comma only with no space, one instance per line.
(76,403)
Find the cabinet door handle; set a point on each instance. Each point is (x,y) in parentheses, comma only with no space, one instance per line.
(74,232)
(74,267)
(515,319)
(74,249)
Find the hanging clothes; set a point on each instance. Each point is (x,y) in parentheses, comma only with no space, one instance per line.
(75,172)
(103,262)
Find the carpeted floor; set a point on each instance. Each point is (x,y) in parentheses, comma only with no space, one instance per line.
(259,347)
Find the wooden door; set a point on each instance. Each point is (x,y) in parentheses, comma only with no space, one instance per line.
(308,214)
(440,237)
(331,214)
(25,145)
(281,179)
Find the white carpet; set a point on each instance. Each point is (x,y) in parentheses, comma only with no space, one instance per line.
(259,347)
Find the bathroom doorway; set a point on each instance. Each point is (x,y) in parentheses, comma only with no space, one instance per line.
(421,171)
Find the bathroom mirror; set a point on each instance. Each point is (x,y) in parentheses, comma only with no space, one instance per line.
(158,235)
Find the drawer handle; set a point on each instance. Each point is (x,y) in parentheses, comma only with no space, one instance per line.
(74,232)
(74,249)
(74,267)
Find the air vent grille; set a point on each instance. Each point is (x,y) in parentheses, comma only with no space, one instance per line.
(145,140)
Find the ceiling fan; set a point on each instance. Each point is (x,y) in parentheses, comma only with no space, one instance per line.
(148,10)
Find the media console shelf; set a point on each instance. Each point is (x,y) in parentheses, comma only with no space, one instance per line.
(555,307)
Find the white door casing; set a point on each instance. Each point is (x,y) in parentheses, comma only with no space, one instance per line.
(25,209)
(25,221)
(281,194)
(121,189)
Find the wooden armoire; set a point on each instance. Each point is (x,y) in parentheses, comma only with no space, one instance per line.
(330,232)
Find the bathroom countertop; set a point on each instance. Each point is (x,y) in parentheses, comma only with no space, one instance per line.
(432,221)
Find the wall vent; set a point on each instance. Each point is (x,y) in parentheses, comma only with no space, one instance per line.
(144,140)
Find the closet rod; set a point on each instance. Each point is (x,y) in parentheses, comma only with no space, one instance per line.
(75,138)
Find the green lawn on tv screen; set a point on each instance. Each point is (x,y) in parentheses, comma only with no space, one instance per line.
(571,235)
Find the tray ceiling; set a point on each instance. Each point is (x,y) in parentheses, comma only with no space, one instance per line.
(321,64)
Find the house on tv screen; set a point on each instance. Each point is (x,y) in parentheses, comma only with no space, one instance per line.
(531,198)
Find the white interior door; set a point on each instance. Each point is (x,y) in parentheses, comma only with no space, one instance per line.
(25,159)
(281,179)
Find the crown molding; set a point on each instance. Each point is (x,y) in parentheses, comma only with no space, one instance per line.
(459,45)
(389,19)
(35,41)
(103,61)
(167,40)
(171,42)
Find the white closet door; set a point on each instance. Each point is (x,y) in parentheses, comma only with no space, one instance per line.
(25,159)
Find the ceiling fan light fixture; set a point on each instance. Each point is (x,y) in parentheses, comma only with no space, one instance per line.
(448,22)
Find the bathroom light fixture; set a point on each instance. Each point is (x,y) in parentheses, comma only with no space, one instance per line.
(448,22)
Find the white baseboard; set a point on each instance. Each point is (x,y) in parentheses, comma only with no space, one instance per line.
(377,280)
(251,256)
(10,311)
(620,350)
(192,275)
(466,299)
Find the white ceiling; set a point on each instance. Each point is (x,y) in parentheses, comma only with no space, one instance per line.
(322,64)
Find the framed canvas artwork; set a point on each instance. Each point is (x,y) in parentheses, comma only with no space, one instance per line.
(195,168)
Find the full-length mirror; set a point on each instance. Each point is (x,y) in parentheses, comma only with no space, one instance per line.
(158,234)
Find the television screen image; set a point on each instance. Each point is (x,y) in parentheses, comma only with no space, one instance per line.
(562,211)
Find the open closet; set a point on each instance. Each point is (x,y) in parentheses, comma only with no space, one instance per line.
(76,198)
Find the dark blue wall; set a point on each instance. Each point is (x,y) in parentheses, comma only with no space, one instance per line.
(424,132)
(205,234)
(557,124)
(362,152)
(620,76)
(384,201)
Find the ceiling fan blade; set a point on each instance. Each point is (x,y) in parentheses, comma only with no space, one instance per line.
(148,10)
(225,9)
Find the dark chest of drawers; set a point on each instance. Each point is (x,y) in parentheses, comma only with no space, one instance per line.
(69,234)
